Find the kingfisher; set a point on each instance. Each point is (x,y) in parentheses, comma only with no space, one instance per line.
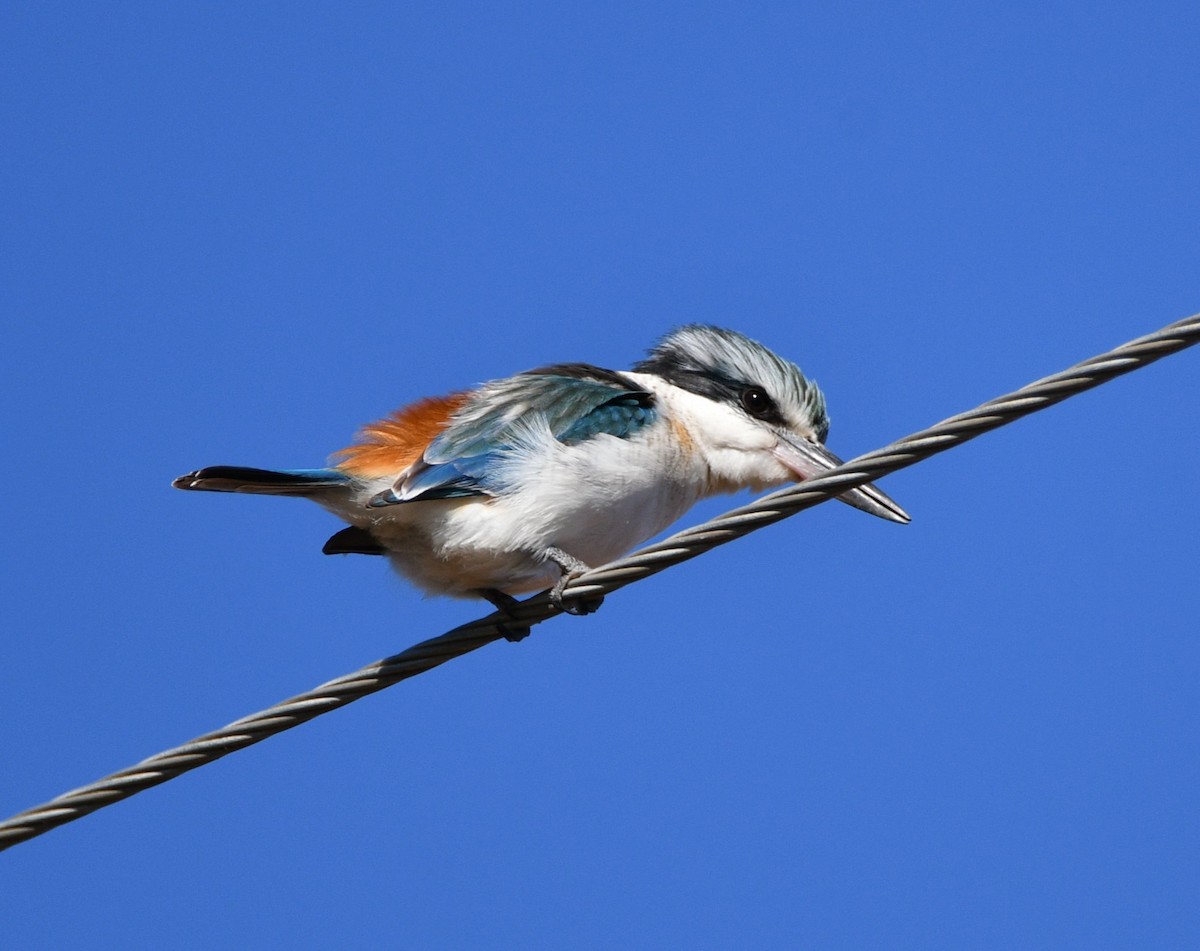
(522,483)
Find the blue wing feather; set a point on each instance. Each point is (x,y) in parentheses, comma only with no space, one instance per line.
(455,479)
(576,404)
(620,417)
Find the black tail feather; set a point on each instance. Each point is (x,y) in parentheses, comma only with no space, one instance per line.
(261,481)
(353,541)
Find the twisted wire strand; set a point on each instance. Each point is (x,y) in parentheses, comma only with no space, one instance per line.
(652,559)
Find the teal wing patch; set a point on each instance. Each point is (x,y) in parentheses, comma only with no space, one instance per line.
(575,402)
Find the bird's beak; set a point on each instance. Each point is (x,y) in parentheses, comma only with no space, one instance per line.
(810,459)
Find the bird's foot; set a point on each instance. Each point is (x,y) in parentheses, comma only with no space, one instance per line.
(571,568)
(510,629)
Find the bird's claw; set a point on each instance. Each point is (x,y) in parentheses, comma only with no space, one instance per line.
(571,568)
(510,628)
(578,605)
(513,632)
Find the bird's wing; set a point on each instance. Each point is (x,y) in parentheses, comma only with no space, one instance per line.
(571,402)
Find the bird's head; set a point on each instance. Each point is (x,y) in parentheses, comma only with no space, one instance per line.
(762,422)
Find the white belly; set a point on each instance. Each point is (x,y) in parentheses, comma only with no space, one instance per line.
(595,501)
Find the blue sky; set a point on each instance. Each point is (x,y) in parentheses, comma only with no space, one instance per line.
(234,234)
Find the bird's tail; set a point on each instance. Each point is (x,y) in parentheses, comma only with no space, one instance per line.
(301,482)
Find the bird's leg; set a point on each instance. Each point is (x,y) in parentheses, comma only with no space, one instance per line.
(572,568)
(512,629)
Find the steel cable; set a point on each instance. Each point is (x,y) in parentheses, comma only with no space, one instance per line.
(605,579)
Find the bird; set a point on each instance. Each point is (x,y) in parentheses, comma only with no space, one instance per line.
(520,484)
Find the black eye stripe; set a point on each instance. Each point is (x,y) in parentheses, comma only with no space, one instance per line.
(717,387)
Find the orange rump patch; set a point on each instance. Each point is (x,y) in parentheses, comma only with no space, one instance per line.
(391,445)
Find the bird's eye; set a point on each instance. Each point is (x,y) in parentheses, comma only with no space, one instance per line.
(756,402)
